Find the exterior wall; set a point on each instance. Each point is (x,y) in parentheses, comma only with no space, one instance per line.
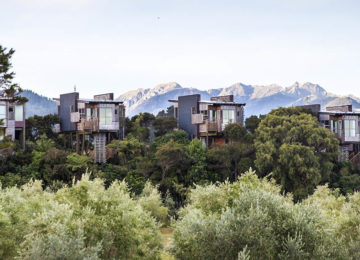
(345,108)
(11,127)
(66,101)
(229,98)
(121,115)
(6,104)
(240,115)
(107,96)
(184,114)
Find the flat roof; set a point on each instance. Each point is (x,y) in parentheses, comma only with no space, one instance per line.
(340,112)
(222,103)
(101,101)
(96,101)
(213,102)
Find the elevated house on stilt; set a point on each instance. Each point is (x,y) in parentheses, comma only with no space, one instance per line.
(100,119)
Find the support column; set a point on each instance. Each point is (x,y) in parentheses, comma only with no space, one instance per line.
(77,142)
(83,143)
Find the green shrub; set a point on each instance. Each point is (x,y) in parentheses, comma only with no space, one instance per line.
(250,219)
(150,200)
(85,221)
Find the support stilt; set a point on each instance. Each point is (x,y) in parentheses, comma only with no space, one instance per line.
(77,142)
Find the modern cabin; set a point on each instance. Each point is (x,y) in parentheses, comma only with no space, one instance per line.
(102,117)
(12,116)
(206,119)
(344,122)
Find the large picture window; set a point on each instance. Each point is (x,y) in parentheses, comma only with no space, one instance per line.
(212,115)
(19,113)
(350,130)
(105,116)
(2,112)
(228,117)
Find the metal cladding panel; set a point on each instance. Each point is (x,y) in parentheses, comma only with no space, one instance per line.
(66,102)
(19,124)
(185,105)
(10,130)
(100,148)
(240,115)
(323,116)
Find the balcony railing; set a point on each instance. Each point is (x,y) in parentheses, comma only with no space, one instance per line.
(214,126)
(88,125)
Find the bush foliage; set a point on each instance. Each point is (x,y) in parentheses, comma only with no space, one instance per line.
(251,219)
(85,221)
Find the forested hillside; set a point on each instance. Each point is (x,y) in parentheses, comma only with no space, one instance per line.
(296,201)
(38,105)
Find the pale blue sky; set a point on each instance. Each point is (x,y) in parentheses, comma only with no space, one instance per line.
(116,46)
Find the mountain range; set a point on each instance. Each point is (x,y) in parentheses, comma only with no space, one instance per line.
(259,99)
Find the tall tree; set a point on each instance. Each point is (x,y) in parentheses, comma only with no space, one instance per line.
(197,156)
(292,146)
(252,123)
(164,125)
(6,76)
(170,155)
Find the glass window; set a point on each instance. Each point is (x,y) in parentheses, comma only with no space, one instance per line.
(82,112)
(105,116)
(212,114)
(2,112)
(334,126)
(204,112)
(350,130)
(19,113)
(193,110)
(228,117)
(340,126)
(88,113)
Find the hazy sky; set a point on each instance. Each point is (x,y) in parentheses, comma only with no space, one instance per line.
(116,46)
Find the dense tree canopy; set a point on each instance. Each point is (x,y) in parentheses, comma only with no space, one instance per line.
(292,146)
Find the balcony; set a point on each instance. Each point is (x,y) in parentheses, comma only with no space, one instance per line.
(355,138)
(88,125)
(114,126)
(206,127)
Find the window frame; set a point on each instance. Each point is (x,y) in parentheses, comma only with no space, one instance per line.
(19,115)
(108,118)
